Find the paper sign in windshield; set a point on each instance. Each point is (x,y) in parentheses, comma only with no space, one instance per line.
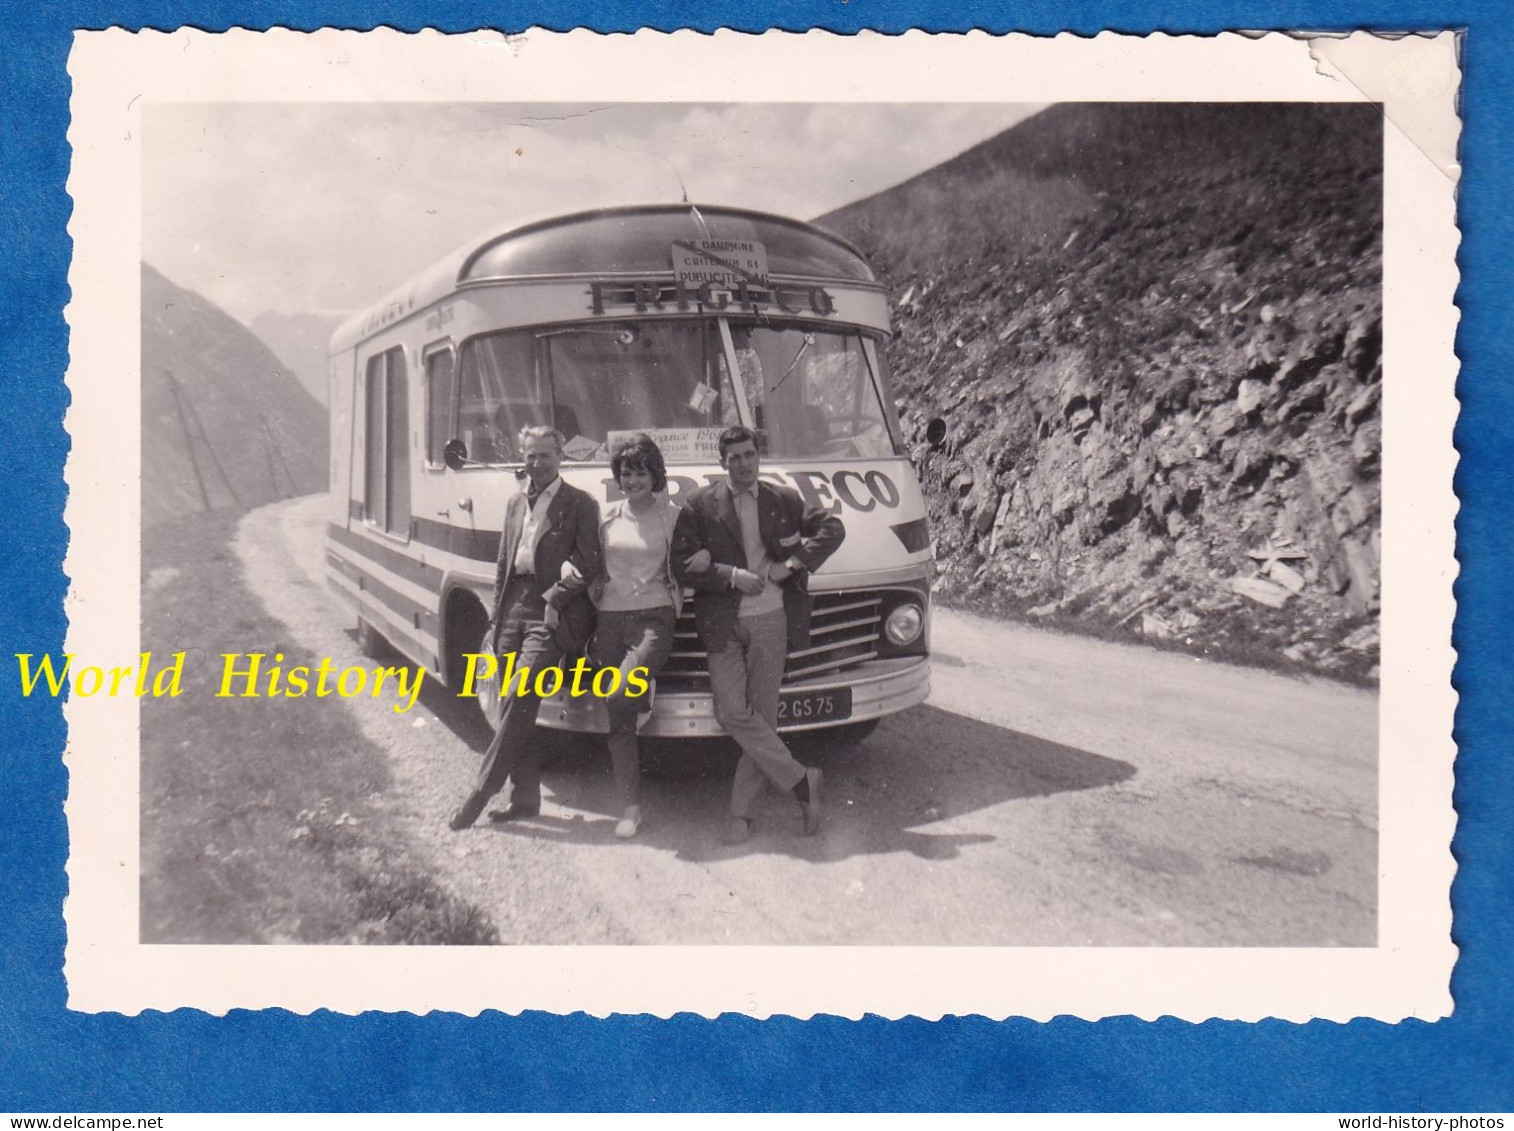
(678,445)
(580,448)
(724,262)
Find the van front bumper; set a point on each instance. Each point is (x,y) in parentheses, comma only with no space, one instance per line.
(878,687)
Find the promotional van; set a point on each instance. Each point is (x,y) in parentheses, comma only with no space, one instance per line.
(673,320)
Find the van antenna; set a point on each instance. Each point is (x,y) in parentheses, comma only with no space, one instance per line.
(683,188)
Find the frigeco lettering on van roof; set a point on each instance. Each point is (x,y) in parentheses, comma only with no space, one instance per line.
(654,294)
(392,309)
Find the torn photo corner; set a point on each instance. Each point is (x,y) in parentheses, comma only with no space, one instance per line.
(1100,394)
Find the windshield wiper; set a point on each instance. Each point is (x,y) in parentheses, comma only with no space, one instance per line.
(809,340)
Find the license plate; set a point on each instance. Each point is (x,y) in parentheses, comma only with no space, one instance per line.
(802,707)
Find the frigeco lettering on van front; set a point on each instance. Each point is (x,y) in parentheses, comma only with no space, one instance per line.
(831,491)
(643,295)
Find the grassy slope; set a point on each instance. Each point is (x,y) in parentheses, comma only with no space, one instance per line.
(259,816)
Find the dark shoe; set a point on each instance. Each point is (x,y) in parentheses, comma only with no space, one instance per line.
(812,807)
(468,812)
(738,830)
(515,812)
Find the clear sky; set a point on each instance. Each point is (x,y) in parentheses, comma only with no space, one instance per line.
(324,207)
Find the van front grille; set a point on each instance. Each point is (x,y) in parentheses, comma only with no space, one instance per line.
(844,632)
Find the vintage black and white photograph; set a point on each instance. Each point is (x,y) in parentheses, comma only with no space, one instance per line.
(590,526)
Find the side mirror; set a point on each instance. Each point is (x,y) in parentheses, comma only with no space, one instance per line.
(935,432)
(455,455)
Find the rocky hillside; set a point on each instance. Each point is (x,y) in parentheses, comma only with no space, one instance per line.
(1155,334)
(224,424)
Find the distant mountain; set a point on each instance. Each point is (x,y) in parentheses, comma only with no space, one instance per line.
(301,342)
(1155,333)
(224,424)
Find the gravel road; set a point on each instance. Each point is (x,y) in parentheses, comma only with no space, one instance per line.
(1054,791)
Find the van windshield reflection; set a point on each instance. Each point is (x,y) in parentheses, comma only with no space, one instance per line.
(809,391)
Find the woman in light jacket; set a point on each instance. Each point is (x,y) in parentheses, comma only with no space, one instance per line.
(639,601)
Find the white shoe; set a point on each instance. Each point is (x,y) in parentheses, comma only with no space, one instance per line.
(628,825)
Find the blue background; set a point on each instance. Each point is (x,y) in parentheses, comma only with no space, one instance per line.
(52,1060)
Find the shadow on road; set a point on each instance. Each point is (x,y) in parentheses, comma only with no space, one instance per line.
(459,715)
(909,787)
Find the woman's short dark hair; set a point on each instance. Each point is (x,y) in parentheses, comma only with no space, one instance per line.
(640,453)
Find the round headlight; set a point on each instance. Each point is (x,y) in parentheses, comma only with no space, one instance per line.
(904,624)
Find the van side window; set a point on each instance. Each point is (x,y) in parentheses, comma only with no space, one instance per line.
(386,462)
(500,391)
(373,461)
(440,372)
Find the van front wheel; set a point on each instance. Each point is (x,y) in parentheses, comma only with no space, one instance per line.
(487,690)
(370,641)
(468,633)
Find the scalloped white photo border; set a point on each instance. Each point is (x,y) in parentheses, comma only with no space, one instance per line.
(117,73)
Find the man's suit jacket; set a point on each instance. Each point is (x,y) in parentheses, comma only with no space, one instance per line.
(570,533)
(789,529)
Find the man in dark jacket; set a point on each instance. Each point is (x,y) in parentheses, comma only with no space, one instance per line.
(752,604)
(541,612)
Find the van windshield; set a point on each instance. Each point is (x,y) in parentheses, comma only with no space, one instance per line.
(809,391)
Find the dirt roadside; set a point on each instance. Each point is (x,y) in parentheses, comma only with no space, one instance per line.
(1056,791)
